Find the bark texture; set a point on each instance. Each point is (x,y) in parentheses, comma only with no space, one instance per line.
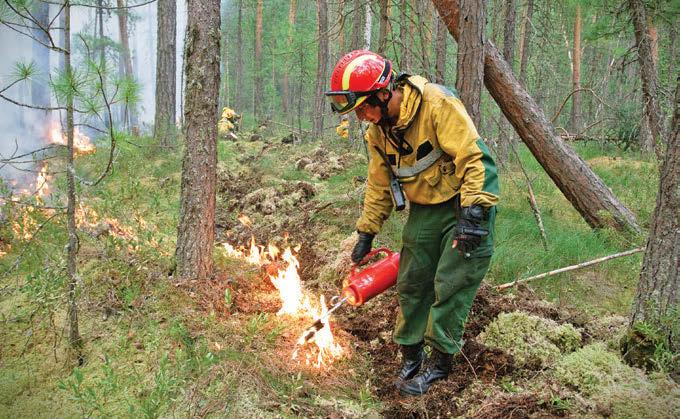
(358,24)
(385,26)
(322,66)
(440,52)
(368,24)
(196,230)
(509,31)
(405,35)
(650,80)
(470,70)
(579,184)
(166,68)
(657,292)
(525,42)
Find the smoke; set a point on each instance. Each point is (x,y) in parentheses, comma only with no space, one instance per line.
(19,132)
(23,130)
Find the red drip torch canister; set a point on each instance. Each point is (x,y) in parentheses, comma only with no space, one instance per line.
(373,279)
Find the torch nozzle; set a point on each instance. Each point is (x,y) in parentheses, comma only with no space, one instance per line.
(311,331)
(319,323)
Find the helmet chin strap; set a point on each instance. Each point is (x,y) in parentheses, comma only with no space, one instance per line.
(385,120)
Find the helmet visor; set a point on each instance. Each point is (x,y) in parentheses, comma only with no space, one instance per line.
(343,101)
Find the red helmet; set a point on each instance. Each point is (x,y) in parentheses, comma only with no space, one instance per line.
(356,76)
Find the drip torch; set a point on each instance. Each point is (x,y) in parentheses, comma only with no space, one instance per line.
(361,286)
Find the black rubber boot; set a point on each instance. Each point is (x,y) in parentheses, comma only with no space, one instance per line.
(437,369)
(412,359)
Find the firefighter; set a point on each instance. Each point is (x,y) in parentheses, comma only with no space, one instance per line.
(343,127)
(422,143)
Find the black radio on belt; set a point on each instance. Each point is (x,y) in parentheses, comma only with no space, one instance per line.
(397,193)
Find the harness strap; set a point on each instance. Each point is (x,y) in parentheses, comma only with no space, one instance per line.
(421,165)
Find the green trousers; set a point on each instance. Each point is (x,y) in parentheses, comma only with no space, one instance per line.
(436,284)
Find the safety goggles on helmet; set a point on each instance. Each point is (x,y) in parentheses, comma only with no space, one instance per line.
(343,101)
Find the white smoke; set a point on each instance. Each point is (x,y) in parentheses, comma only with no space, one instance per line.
(22,130)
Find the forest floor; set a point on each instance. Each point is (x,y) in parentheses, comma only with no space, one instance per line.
(154,347)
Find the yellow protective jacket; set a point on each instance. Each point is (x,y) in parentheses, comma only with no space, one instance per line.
(431,118)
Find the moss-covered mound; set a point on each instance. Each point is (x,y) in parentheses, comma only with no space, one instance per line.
(618,390)
(532,340)
(593,367)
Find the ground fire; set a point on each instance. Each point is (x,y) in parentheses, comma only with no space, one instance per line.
(294,300)
(81,142)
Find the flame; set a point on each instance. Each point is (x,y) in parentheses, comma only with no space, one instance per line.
(24,224)
(294,301)
(323,339)
(42,183)
(245,220)
(81,142)
(87,217)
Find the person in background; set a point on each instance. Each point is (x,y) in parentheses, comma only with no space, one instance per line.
(422,146)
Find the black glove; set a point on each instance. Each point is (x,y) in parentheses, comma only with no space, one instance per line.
(362,247)
(469,232)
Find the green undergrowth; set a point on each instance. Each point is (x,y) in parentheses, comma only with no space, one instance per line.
(153,349)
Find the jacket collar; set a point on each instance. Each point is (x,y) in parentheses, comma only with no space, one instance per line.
(413,87)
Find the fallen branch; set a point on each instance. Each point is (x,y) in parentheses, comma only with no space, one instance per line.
(570,268)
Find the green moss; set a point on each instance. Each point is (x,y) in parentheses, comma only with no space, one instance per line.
(659,398)
(532,340)
(592,368)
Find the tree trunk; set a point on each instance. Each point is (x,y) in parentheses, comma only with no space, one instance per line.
(579,184)
(238,71)
(656,300)
(648,72)
(470,69)
(385,26)
(166,69)
(341,28)
(423,13)
(196,230)
(40,96)
(225,76)
(129,112)
(525,42)
(505,137)
(100,35)
(673,51)
(285,87)
(75,340)
(322,66)
(575,120)
(358,22)
(368,24)
(404,36)
(440,52)
(258,96)
(509,31)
